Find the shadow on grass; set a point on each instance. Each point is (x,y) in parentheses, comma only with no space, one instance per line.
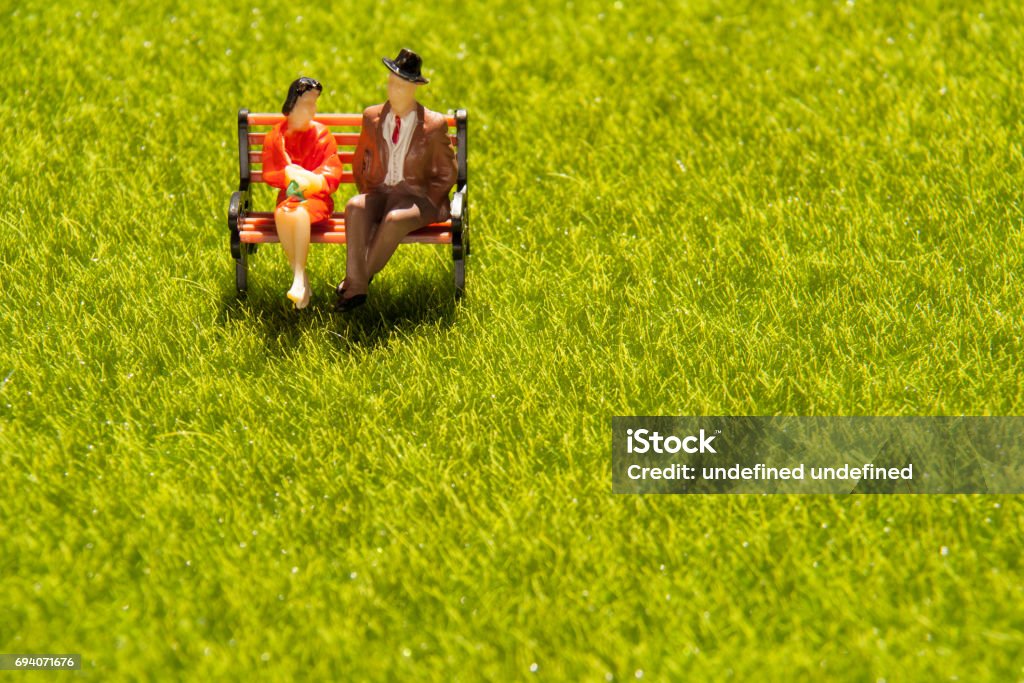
(406,307)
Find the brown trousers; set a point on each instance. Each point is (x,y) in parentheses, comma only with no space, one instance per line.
(417,211)
(395,214)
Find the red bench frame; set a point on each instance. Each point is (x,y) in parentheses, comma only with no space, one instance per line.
(250,228)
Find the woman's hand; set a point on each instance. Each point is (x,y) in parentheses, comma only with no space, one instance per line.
(308,182)
(297,174)
(316,184)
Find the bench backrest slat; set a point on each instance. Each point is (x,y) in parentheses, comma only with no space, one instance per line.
(272,119)
(251,148)
(353,120)
(343,139)
(257,157)
(346,177)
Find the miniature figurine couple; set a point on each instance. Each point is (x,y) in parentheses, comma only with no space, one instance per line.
(404,166)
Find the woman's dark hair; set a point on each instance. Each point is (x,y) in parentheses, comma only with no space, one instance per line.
(298,88)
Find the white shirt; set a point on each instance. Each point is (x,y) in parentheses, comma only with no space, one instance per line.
(397,151)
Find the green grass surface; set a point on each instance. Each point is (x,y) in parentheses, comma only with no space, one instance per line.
(805,208)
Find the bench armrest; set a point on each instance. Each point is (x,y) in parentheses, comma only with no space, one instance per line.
(458,206)
(460,225)
(238,207)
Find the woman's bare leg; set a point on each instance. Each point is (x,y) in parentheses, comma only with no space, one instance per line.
(304,301)
(293,232)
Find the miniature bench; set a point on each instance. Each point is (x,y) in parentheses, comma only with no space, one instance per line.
(251,228)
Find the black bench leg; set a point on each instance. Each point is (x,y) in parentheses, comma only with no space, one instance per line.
(242,271)
(460,278)
(460,242)
(240,251)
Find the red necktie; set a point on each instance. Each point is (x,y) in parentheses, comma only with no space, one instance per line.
(394,134)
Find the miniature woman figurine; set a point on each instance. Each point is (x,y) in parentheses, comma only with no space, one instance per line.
(404,167)
(300,158)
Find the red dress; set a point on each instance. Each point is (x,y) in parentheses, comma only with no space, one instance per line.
(315,150)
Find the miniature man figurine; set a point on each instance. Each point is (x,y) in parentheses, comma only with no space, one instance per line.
(404,167)
(300,158)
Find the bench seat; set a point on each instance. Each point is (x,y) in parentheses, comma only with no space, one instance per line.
(258,228)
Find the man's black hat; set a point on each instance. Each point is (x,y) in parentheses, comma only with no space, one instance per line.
(406,65)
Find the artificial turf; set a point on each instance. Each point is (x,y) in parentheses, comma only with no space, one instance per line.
(683,208)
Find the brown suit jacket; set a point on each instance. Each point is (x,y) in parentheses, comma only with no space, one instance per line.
(430,170)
